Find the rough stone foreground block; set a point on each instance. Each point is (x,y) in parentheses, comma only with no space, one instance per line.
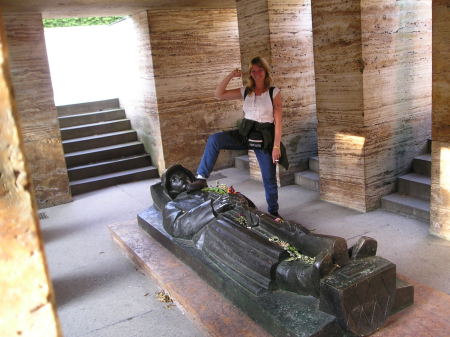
(27,306)
(428,317)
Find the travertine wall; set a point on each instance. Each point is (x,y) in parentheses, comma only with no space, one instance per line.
(27,303)
(373,71)
(192,50)
(281,31)
(339,94)
(181,57)
(396,41)
(440,175)
(138,93)
(34,98)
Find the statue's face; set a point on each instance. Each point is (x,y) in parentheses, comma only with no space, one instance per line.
(178,182)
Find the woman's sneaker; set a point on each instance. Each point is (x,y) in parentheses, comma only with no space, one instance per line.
(277,217)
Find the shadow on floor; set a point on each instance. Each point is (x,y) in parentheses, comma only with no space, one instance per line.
(80,283)
(55,233)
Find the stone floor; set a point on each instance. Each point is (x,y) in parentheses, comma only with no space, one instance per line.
(99,292)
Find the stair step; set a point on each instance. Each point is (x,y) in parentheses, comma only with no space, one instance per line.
(71,109)
(307,179)
(402,204)
(106,180)
(106,139)
(108,166)
(422,165)
(242,162)
(415,185)
(95,129)
(314,164)
(103,153)
(91,117)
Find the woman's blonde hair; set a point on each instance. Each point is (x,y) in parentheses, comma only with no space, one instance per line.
(262,63)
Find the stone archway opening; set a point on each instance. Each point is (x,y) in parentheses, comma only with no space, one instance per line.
(84,58)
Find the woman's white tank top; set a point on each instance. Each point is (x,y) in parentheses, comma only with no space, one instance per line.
(259,108)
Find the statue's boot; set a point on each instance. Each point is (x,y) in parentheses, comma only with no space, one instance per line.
(365,247)
(324,264)
(302,277)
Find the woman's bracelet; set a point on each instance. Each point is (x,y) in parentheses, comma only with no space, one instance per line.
(276,147)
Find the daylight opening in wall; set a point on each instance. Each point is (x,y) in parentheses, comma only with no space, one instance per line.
(445,172)
(84,58)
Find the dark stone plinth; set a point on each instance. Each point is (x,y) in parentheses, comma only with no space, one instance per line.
(362,303)
(282,313)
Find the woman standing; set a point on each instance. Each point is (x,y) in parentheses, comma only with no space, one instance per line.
(262,118)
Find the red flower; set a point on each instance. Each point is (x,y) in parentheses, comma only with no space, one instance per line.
(231,190)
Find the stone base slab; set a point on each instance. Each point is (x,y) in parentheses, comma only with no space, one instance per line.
(219,317)
(203,304)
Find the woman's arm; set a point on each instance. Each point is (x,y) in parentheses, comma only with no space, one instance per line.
(277,116)
(221,90)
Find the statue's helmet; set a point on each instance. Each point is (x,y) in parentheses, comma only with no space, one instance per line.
(176,179)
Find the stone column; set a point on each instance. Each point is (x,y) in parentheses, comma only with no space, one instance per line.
(373,86)
(33,90)
(138,92)
(281,32)
(183,55)
(27,305)
(192,50)
(440,171)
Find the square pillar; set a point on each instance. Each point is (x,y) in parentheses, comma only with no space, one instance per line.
(183,55)
(440,169)
(137,92)
(192,50)
(373,87)
(27,306)
(30,75)
(281,32)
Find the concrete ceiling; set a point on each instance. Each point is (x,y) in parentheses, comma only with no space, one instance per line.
(80,8)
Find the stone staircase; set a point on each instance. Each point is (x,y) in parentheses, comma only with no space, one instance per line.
(242,162)
(100,147)
(413,196)
(309,179)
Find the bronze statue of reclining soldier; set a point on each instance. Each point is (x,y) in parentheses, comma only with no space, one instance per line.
(263,255)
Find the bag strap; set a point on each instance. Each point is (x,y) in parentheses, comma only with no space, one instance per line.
(271,89)
(246,92)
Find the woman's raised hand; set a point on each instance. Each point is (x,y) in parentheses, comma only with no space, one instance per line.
(236,73)
(221,90)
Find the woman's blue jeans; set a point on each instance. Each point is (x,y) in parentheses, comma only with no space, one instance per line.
(225,141)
